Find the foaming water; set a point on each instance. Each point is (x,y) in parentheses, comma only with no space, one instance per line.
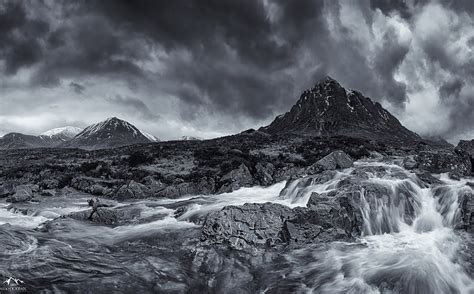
(408,242)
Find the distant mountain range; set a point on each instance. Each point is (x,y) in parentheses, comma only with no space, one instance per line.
(328,109)
(110,133)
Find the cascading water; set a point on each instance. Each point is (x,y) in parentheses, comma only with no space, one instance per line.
(408,241)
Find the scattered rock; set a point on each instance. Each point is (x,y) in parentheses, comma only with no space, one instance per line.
(48,193)
(444,161)
(98,190)
(6,190)
(22,193)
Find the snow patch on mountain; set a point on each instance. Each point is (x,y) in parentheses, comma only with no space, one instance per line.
(68,131)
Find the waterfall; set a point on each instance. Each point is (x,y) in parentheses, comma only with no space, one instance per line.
(409,242)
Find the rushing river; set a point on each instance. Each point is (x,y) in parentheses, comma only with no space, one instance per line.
(157,252)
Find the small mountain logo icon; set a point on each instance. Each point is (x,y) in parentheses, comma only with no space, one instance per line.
(12,282)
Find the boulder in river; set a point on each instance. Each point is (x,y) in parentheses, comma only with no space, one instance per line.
(107,216)
(247,226)
(335,160)
(235,179)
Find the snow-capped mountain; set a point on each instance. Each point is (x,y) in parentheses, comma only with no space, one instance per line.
(328,109)
(112,132)
(62,134)
(189,138)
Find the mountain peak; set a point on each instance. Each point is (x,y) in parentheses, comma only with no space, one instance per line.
(328,109)
(112,132)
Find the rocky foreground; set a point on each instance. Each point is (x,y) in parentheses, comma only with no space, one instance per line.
(333,217)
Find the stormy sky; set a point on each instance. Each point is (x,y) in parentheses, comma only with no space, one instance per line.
(213,67)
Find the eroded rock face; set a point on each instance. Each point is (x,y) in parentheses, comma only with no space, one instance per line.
(335,160)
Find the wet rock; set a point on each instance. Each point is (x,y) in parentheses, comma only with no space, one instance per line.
(22,193)
(48,193)
(466,207)
(427,178)
(441,161)
(454,175)
(247,226)
(98,190)
(108,216)
(409,163)
(235,179)
(287,172)
(264,172)
(299,184)
(335,160)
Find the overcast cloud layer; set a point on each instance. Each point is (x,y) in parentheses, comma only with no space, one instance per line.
(209,68)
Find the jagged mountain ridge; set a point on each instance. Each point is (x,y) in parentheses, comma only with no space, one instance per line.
(328,109)
(110,133)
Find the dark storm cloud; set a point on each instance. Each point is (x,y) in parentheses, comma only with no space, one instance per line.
(77,88)
(241,60)
(135,104)
(450,89)
(19,37)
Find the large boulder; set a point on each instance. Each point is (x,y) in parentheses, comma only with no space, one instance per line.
(441,161)
(264,173)
(235,179)
(132,190)
(22,193)
(108,216)
(335,160)
(204,186)
(247,226)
